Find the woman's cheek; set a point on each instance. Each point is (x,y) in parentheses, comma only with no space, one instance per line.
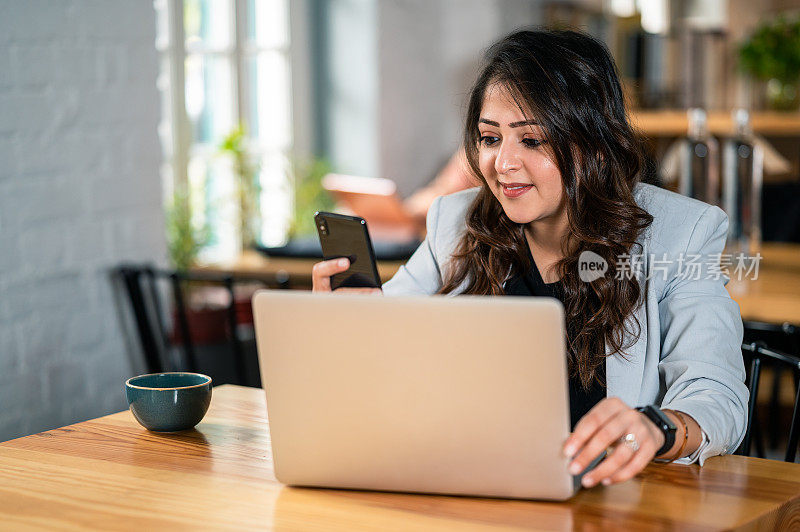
(486,164)
(549,181)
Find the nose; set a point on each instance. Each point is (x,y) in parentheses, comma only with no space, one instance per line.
(508,160)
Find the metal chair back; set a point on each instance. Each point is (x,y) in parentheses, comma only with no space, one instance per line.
(140,284)
(757,353)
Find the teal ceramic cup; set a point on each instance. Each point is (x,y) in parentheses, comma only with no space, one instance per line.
(169,402)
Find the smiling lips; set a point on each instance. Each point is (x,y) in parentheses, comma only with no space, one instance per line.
(515,190)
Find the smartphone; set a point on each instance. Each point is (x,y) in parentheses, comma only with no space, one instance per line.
(347,236)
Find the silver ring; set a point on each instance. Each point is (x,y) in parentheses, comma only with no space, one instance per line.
(630,441)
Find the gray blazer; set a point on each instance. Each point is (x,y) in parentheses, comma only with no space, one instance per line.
(688,354)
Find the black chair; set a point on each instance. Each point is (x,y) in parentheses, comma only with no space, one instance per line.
(146,287)
(783,337)
(755,355)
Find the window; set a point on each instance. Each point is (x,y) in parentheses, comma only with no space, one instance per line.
(225,63)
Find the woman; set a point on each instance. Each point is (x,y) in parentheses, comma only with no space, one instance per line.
(547,134)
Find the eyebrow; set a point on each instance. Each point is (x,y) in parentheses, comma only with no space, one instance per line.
(512,124)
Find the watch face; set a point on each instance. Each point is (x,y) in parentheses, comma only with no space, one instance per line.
(665,420)
(659,418)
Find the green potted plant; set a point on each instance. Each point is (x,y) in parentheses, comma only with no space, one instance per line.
(248,192)
(248,188)
(206,317)
(185,239)
(772,55)
(309,195)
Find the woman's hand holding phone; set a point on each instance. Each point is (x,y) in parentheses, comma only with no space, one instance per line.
(322,272)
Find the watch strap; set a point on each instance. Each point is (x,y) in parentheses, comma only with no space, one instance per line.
(664,424)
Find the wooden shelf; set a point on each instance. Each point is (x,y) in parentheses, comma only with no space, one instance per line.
(671,123)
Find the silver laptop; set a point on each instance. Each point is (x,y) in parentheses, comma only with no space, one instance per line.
(463,396)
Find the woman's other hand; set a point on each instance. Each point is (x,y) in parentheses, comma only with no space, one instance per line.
(322,272)
(602,427)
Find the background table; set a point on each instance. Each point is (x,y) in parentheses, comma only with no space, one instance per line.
(110,473)
(773,297)
(252,264)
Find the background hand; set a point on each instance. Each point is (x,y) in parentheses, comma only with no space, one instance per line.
(602,427)
(322,272)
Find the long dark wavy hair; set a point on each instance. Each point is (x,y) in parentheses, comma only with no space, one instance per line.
(568,82)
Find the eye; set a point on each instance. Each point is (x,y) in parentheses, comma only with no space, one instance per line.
(533,143)
(488,140)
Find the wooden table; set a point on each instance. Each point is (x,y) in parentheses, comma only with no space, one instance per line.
(252,264)
(110,473)
(774,297)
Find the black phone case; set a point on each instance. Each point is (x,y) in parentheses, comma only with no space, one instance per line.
(347,236)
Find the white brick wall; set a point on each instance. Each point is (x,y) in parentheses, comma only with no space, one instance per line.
(79,193)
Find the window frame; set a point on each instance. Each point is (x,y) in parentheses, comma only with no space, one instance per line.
(174,51)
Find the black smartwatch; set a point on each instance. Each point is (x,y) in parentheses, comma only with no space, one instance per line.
(664,424)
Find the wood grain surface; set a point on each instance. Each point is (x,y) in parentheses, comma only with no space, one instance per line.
(112,474)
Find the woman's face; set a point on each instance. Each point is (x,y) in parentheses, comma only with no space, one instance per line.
(516,161)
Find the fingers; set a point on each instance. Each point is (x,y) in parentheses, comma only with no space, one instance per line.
(322,271)
(618,458)
(603,437)
(623,463)
(593,421)
(605,425)
(631,469)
